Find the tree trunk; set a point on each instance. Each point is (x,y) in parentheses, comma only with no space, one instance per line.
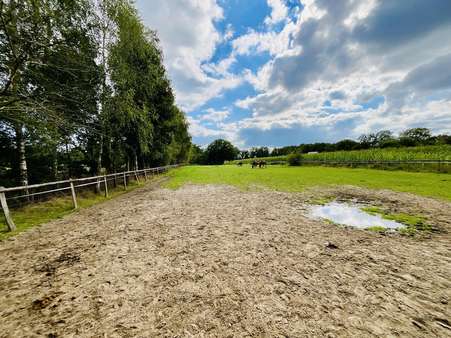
(99,163)
(55,164)
(136,161)
(99,157)
(67,160)
(20,146)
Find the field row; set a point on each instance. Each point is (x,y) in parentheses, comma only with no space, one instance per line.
(426,153)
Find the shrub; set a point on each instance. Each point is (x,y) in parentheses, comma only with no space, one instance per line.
(294,159)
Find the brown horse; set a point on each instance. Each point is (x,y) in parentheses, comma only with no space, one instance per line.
(258,164)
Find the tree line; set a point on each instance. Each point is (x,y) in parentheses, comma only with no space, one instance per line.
(83,91)
(221,150)
(382,139)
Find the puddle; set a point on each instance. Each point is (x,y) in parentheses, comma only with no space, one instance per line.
(351,215)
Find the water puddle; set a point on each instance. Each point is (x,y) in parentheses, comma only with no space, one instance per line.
(351,215)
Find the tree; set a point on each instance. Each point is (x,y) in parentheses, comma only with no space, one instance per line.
(384,139)
(415,136)
(219,151)
(380,139)
(243,154)
(443,139)
(346,145)
(259,152)
(83,89)
(294,159)
(196,155)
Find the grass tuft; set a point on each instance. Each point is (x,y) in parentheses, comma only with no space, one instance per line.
(413,223)
(377,228)
(323,200)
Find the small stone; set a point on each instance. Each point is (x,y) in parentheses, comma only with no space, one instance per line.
(330,245)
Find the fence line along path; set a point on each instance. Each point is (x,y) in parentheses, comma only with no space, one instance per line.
(72,185)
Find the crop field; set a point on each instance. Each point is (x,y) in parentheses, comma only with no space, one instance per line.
(427,153)
(386,154)
(231,251)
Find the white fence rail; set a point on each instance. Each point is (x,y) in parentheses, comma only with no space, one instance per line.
(72,185)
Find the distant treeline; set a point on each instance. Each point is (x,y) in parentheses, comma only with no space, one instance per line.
(383,139)
(83,90)
(220,151)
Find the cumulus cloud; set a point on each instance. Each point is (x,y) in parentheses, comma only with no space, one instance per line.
(348,53)
(188,38)
(337,68)
(254,42)
(215,115)
(279,12)
(393,23)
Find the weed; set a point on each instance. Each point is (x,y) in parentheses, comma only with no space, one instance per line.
(377,228)
(323,200)
(413,223)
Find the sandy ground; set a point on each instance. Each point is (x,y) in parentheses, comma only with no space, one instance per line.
(214,261)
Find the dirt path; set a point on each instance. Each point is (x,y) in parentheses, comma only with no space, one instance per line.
(214,261)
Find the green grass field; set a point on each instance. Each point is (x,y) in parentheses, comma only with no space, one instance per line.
(286,178)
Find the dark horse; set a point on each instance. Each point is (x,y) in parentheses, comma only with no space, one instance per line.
(258,164)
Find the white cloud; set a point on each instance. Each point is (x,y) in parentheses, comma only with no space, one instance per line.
(215,115)
(188,38)
(326,53)
(258,42)
(229,33)
(328,60)
(279,12)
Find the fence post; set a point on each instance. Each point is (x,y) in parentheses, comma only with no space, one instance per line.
(4,204)
(106,185)
(136,177)
(145,174)
(125,182)
(74,197)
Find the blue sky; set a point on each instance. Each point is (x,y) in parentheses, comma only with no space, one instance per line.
(285,72)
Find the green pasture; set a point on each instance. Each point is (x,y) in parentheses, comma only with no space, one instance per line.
(285,178)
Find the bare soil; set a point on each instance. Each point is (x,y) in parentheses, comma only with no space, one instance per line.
(216,261)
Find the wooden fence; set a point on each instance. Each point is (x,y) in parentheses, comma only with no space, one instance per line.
(72,185)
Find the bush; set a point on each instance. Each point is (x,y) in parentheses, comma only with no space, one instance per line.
(294,159)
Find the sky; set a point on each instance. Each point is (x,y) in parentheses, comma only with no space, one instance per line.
(284,72)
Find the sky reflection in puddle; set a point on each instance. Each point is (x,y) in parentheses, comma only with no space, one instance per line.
(351,215)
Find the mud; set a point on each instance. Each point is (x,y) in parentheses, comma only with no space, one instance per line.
(215,261)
